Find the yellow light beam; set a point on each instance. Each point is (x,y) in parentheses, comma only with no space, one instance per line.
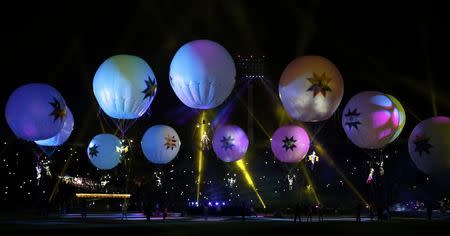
(310,182)
(248,177)
(200,153)
(254,118)
(322,152)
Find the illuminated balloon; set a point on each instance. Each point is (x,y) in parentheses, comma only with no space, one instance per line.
(230,143)
(399,112)
(160,144)
(62,136)
(369,119)
(103,151)
(35,111)
(202,74)
(311,88)
(124,86)
(429,145)
(290,143)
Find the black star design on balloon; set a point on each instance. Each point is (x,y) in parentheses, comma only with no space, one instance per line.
(171,142)
(351,118)
(422,145)
(319,84)
(227,142)
(151,88)
(59,112)
(289,143)
(93,151)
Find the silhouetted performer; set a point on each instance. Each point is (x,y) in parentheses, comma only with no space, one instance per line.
(148,211)
(205,211)
(165,213)
(83,209)
(429,211)
(124,210)
(297,213)
(371,215)
(309,215)
(380,213)
(358,212)
(320,213)
(243,211)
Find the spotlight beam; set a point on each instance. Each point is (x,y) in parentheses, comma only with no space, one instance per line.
(248,178)
(200,153)
(331,163)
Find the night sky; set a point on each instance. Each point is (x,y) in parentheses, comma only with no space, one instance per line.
(376,47)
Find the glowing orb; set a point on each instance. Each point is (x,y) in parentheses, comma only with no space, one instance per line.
(35,112)
(369,119)
(290,143)
(124,86)
(429,145)
(102,151)
(160,144)
(311,88)
(202,74)
(230,143)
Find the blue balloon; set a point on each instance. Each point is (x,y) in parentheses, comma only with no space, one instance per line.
(35,111)
(202,74)
(103,151)
(160,144)
(62,136)
(124,86)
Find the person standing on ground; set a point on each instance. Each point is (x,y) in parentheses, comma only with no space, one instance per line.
(243,212)
(358,212)
(429,211)
(124,210)
(320,212)
(297,213)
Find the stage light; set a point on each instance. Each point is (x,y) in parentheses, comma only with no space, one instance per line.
(250,182)
(201,118)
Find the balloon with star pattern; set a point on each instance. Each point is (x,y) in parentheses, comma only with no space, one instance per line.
(290,143)
(35,111)
(124,86)
(160,144)
(369,119)
(202,74)
(400,113)
(311,88)
(230,143)
(62,135)
(102,151)
(429,146)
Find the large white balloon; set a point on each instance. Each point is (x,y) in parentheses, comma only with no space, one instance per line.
(160,144)
(103,151)
(311,88)
(124,86)
(63,135)
(429,145)
(202,74)
(369,121)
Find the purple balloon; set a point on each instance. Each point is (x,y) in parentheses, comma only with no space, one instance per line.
(230,143)
(370,119)
(35,112)
(62,136)
(290,143)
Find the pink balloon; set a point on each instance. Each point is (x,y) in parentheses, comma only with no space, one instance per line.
(230,143)
(429,145)
(290,143)
(370,119)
